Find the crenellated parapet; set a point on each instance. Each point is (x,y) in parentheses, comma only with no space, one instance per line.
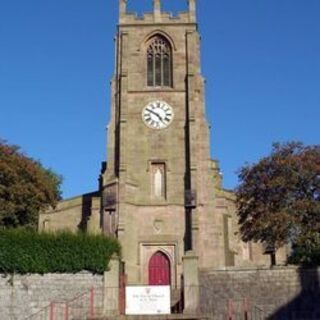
(157,16)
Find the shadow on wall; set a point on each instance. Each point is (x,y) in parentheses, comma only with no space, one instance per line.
(306,306)
(86,210)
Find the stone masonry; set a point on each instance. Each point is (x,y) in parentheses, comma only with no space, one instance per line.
(24,295)
(280,293)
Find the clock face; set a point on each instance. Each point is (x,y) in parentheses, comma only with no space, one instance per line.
(157,115)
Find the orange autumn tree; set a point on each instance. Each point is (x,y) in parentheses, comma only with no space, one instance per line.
(278,200)
(26,188)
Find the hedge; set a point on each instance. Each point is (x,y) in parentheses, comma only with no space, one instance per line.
(23,251)
(305,256)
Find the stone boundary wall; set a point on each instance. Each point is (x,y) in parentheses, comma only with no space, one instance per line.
(23,295)
(277,293)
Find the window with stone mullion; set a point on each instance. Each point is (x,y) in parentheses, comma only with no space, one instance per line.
(159,63)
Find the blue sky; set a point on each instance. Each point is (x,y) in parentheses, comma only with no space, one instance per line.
(261,60)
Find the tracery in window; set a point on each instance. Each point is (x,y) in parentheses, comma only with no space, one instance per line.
(159,62)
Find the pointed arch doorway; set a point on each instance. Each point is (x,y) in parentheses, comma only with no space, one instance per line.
(159,270)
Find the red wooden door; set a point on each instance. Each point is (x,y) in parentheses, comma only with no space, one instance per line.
(159,270)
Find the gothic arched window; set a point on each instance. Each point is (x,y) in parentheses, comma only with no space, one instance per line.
(159,63)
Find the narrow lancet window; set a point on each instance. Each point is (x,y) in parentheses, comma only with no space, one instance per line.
(159,63)
(158,180)
(158,183)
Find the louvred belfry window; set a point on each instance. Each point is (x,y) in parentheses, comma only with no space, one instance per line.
(159,63)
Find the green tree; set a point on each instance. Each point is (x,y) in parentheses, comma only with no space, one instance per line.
(278,199)
(26,188)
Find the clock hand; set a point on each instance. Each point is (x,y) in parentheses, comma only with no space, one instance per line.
(161,119)
(156,114)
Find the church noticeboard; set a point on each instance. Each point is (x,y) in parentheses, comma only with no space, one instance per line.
(147,300)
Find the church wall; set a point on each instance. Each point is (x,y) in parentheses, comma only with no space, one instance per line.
(72,214)
(277,293)
(148,231)
(281,292)
(24,295)
(139,145)
(143,147)
(66,216)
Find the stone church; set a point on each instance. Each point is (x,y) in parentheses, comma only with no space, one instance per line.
(159,192)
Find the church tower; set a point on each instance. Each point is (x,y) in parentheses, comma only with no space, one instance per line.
(159,192)
(159,182)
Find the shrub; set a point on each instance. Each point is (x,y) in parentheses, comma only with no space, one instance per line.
(24,251)
(307,252)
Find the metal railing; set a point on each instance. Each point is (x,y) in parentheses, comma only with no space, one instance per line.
(85,305)
(216,306)
(92,303)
